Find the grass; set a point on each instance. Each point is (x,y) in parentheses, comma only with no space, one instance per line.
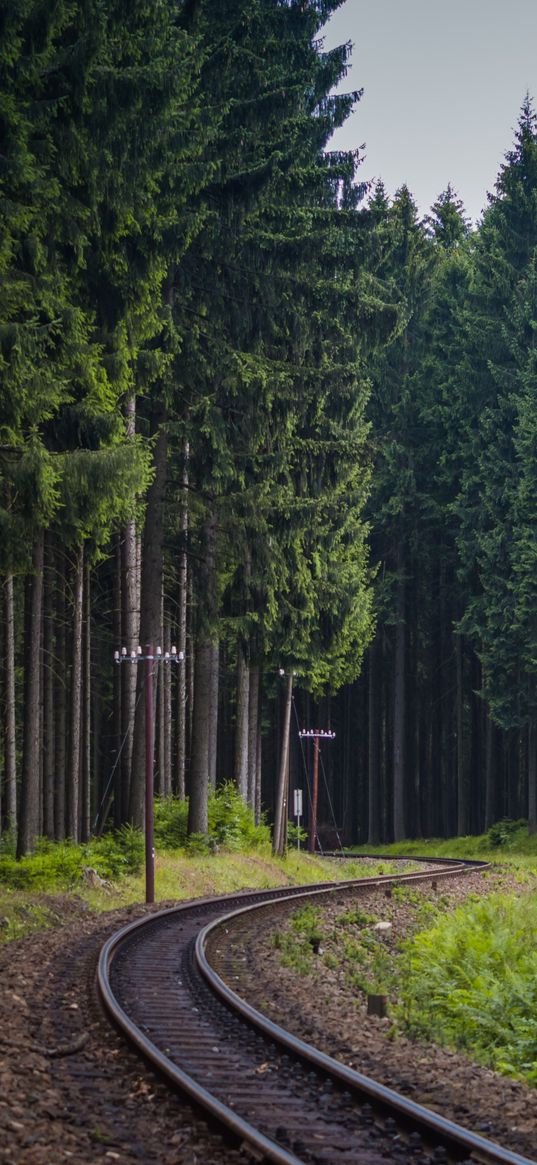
(47,894)
(505,843)
(470,982)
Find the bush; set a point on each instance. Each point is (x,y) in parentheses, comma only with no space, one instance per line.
(59,865)
(118,852)
(54,865)
(471,983)
(231,821)
(502,832)
(171,821)
(295,834)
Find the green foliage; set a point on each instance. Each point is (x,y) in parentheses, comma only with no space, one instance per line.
(53,865)
(504,832)
(117,853)
(471,982)
(60,865)
(231,823)
(171,820)
(300,939)
(295,834)
(355,916)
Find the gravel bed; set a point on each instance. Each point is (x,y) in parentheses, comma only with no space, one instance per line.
(71,1091)
(322,1009)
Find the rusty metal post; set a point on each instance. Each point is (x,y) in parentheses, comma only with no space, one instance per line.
(316,735)
(312,840)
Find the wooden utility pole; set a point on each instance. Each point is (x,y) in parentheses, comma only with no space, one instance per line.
(279,837)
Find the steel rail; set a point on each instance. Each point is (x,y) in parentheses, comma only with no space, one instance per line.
(447,1131)
(461,1141)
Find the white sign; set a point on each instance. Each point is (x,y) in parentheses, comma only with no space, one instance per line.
(298,803)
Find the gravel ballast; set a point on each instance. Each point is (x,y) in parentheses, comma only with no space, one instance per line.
(71,1091)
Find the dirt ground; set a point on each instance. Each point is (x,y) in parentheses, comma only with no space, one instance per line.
(70,1091)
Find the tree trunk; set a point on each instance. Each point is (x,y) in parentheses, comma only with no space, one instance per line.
(213,717)
(399,709)
(258,767)
(121,781)
(150,618)
(167,729)
(241,723)
(10,725)
(253,732)
(49,767)
(30,791)
(203,672)
(129,636)
(463,814)
(182,721)
(75,704)
(199,764)
(490,775)
(373,828)
(60,699)
(85,767)
(532,776)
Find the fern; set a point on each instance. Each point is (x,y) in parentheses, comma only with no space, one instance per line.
(471,983)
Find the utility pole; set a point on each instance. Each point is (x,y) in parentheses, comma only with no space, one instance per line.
(149,660)
(279,837)
(315,734)
(149,775)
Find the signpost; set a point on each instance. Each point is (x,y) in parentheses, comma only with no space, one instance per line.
(298,813)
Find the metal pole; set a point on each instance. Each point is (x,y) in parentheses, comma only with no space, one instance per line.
(314,795)
(149,754)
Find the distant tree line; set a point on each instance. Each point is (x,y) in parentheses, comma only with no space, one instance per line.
(439,734)
(246,414)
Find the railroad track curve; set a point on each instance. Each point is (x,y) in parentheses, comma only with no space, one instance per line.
(281,1098)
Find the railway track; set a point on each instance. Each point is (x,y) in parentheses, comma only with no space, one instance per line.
(283,1099)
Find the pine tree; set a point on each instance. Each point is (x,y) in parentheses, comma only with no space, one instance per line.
(499,329)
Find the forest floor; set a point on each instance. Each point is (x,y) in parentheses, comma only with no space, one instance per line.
(70,1091)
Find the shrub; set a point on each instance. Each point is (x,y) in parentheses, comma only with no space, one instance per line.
(59,865)
(54,865)
(231,821)
(118,852)
(471,983)
(171,821)
(502,832)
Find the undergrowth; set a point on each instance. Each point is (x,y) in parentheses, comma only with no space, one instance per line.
(119,853)
(470,983)
(299,940)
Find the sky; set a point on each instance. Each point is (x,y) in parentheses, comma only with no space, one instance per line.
(443,84)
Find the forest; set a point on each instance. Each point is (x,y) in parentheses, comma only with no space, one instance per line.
(264,420)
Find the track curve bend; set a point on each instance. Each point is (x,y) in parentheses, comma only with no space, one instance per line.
(280,1097)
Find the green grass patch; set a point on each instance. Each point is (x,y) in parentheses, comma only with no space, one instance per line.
(470,982)
(300,940)
(506,842)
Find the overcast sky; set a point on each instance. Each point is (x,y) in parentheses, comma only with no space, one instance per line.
(443,84)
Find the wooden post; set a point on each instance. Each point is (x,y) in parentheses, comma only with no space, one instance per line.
(280,818)
(149,748)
